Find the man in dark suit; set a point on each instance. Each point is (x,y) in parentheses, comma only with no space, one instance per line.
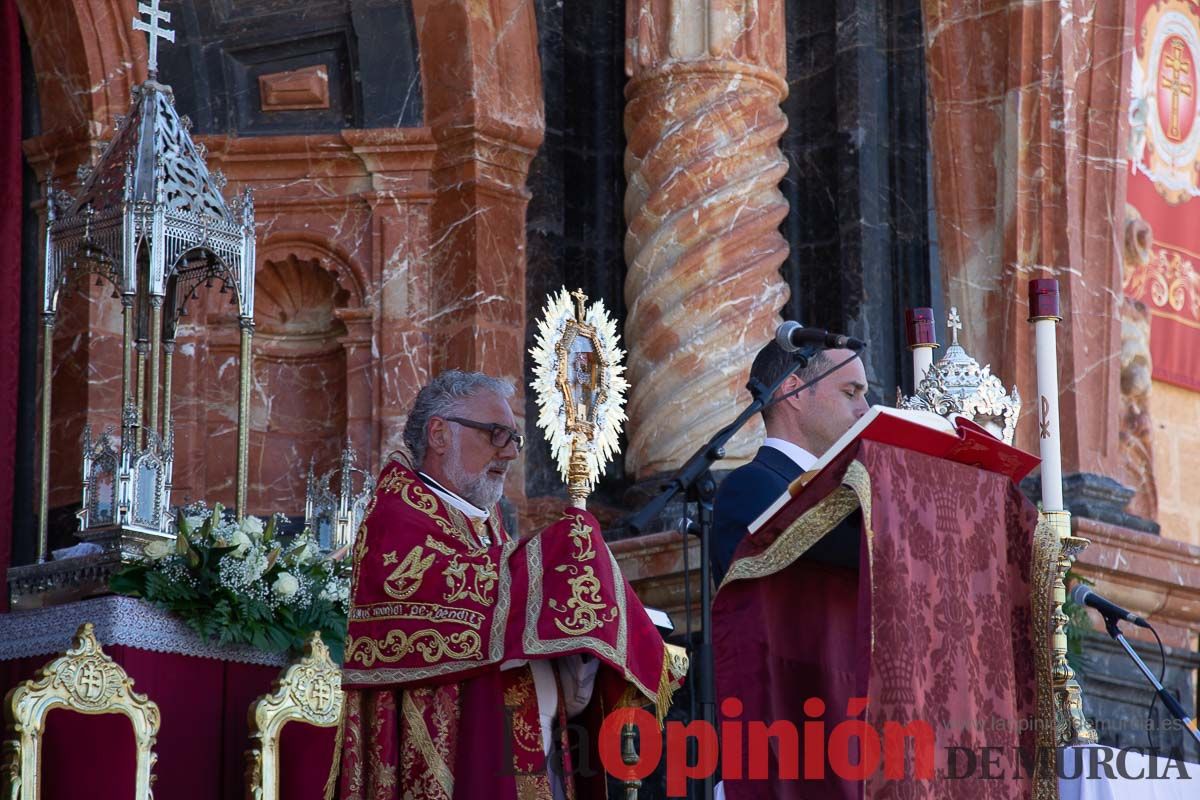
(799,429)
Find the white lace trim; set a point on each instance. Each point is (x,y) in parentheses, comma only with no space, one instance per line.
(119,620)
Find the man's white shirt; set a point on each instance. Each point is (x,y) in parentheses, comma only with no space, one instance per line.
(804,459)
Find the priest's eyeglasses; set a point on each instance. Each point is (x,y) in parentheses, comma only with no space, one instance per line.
(501,434)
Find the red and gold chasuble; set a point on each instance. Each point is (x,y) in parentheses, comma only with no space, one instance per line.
(440,602)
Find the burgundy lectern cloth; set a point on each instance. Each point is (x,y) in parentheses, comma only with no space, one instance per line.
(202,738)
(933,625)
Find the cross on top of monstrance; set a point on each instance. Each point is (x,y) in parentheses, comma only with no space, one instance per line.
(153,31)
(579,388)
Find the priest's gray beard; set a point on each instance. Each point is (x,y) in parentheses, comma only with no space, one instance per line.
(482,489)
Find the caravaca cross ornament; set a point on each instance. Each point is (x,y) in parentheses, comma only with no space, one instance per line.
(579,388)
(153,32)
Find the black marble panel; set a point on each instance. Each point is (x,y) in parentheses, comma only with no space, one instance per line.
(24,522)
(857,184)
(575,226)
(221,48)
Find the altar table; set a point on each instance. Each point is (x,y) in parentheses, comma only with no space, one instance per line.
(203,692)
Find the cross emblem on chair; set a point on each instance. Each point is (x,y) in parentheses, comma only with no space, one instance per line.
(320,695)
(91,681)
(153,31)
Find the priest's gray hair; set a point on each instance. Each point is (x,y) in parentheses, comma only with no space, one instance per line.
(443,397)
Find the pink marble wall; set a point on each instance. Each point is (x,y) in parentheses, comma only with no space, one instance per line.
(1028,126)
(421,231)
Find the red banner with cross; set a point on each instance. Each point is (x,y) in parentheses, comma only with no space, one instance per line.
(1164,184)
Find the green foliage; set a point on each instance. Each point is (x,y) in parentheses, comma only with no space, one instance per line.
(236,583)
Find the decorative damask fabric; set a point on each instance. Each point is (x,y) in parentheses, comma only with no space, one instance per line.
(934,624)
(440,603)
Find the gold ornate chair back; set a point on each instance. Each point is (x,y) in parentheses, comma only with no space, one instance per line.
(309,691)
(86,680)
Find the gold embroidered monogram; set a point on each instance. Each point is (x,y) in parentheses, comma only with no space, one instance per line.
(406,578)
(585,604)
(481,575)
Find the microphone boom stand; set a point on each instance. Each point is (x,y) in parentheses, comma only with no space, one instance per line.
(1110,624)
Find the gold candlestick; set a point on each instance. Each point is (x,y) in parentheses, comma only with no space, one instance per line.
(1070,725)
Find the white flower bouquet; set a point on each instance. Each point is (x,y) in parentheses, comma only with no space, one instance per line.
(237,583)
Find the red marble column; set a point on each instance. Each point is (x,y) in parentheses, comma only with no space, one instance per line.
(481,77)
(703,290)
(1028,128)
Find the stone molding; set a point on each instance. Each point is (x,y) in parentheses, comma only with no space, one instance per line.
(1158,578)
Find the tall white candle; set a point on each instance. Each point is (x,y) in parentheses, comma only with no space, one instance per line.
(922,360)
(1044,314)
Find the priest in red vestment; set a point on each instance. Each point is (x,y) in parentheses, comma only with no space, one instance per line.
(467,649)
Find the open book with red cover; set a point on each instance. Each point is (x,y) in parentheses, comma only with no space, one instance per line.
(956,439)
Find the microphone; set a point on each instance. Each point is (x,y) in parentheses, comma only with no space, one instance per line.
(1084,596)
(793,336)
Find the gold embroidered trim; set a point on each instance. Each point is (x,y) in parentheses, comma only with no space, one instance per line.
(431,644)
(1046,550)
(416,496)
(431,612)
(809,527)
(424,743)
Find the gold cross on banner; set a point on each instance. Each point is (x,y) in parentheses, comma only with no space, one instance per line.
(1180,66)
(153,31)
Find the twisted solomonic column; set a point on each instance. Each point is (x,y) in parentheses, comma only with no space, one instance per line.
(703,249)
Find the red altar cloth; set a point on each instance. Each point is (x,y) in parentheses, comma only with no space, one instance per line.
(928,617)
(201,740)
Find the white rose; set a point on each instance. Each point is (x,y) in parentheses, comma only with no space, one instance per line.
(158,550)
(194,523)
(252,525)
(285,585)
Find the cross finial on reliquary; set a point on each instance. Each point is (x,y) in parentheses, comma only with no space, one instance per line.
(954,324)
(153,31)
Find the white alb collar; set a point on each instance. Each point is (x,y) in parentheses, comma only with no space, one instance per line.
(470,509)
